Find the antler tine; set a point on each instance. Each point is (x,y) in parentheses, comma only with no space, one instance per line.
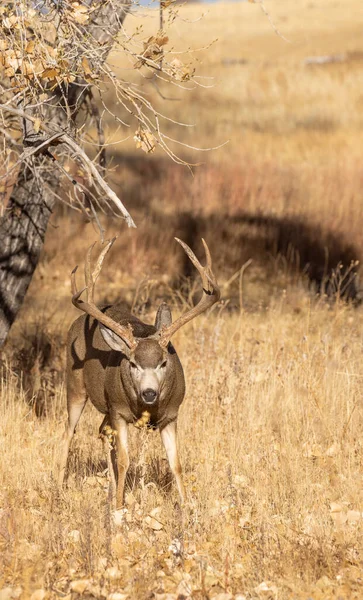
(90,285)
(208,279)
(73,281)
(207,254)
(92,276)
(211,293)
(89,306)
(190,254)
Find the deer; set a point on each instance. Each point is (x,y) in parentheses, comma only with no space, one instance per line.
(128,369)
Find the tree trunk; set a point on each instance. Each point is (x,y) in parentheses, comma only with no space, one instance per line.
(22,233)
(25,220)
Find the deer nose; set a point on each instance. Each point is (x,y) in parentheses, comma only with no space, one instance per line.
(149,395)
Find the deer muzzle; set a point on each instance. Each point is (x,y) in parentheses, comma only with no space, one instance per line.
(149,396)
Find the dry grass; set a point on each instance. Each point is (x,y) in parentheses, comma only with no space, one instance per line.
(270,438)
(270,430)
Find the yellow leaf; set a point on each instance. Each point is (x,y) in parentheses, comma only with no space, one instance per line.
(69,78)
(81,19)
(336,507)
(354,517)
(80,585)
(153,523)
(161,39)
(80,13)
(145,140)
(113,573)
(74,536)
(38,595)
(79,7)
(37,124)
(29,48)
(9,72)
(29,68)
(49,73)
(86,67)
(266,590)
(11,22)
(179,71)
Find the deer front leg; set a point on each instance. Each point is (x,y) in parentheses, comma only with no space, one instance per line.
(76,404)
(107,436)
(168,436)
(120,427)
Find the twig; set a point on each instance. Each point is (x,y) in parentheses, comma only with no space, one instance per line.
(72,144)
(20,113)
(101,136)
(267,14)
(28,152)
(101,182)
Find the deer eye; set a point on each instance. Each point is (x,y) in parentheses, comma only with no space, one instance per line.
(133,365)
(163,365)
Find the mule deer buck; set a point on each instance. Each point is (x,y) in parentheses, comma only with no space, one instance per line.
(128,369)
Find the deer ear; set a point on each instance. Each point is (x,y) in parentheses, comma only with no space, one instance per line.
(114,341)
(163,316)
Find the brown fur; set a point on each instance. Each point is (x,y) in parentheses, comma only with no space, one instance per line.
(103,375)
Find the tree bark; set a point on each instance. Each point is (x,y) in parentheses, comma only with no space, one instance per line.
(22,233)
(25,220)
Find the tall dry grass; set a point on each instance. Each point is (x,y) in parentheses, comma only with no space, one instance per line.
(270,430)
(270,439)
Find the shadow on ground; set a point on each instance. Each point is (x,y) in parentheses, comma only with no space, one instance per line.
(276,244)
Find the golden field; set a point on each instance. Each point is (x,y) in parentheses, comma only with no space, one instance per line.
(270,432)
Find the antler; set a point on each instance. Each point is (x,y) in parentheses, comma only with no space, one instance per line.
(211,293)
(89,307)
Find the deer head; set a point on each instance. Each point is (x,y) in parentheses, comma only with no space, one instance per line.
(149,358)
